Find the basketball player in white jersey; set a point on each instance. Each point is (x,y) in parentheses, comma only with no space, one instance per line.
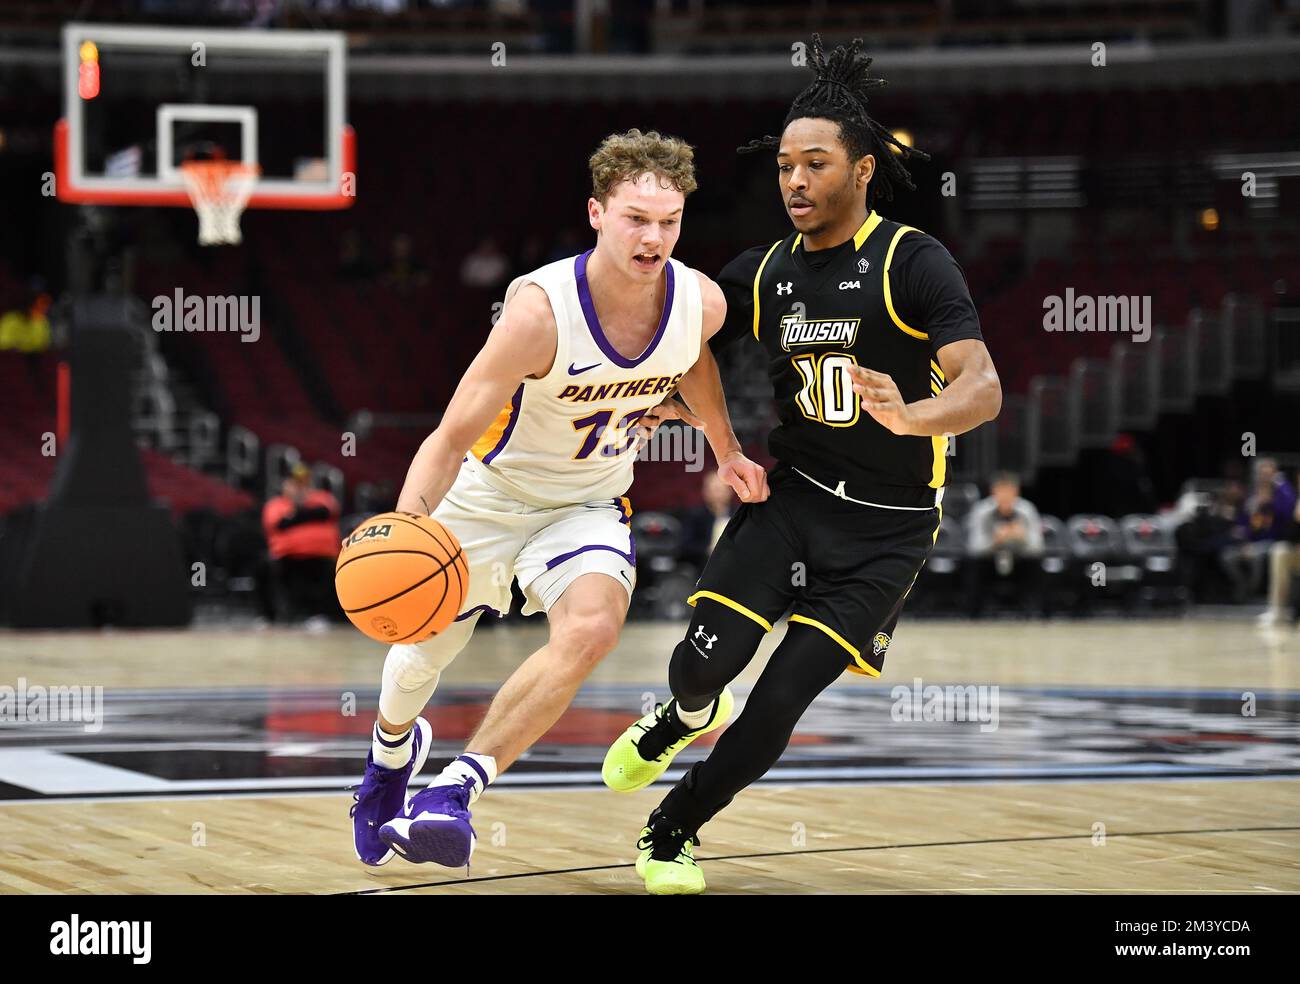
(529,467)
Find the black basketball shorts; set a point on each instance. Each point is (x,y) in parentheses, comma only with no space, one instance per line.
(836,565)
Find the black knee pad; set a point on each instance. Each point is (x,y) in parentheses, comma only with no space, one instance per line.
(719,643)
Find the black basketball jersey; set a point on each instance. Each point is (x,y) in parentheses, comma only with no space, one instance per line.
(873,302)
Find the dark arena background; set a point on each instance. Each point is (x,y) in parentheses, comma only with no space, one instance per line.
(1106,703)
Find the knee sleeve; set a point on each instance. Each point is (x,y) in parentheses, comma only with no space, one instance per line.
(411,673)
(719,643)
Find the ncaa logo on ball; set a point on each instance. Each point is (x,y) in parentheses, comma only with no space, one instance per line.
(384,626)
(371,533)
(880,643)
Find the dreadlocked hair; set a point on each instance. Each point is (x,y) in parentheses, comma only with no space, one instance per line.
(839,93)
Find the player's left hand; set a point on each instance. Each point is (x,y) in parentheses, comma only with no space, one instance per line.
(746,478)
(881,399)
(670,409)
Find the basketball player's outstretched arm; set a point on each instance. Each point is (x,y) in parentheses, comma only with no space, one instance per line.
(931,291)
(522,343)
(701,389)
(972,396)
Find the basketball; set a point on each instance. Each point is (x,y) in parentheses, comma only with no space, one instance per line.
(401,577)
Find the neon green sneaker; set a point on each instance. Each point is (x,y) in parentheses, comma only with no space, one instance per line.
(667,859)
(642,753)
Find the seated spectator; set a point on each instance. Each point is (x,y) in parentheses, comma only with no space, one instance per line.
(1202,536)
(27,331)
(1004,543)
(1283,567)
(1264,520)
(703,525)
(485,267)
(354,264)
(302,535)
(404,271)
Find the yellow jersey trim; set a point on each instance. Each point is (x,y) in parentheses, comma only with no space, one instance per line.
(489,438)
(939,447)
(734,605)
(889,300)
(829,631)
(867,671)
(866,229)
(757,277)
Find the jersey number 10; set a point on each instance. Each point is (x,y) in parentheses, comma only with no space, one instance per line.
(827,395)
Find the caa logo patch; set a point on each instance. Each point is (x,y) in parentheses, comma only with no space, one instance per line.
(880,643)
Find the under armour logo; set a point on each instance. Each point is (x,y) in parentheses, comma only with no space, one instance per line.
(863,266)
(705,638)
(785,288)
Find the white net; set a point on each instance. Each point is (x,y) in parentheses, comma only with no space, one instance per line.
(219,190)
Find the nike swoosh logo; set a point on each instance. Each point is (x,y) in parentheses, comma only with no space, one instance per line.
(623,575)
(578,372)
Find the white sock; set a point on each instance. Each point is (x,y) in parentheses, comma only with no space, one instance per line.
(481,768)
(695,720)
(391,751)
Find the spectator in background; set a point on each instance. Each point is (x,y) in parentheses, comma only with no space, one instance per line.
(404,271)
(1283,567)
(1265,519)
(1120,481)
(486,267)
(567,243)
(27,331)
(1202,536)
(1004,543)
(354,265)
(302,535)
(530,255)
(702,525)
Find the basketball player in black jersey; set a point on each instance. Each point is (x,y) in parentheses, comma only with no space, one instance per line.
(876,357)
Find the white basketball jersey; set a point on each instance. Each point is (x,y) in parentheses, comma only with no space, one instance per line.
(568,436)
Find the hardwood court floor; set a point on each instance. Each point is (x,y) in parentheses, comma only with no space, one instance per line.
(1178,837)
(1179,680)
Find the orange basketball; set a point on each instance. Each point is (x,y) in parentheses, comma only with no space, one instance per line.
(401,577)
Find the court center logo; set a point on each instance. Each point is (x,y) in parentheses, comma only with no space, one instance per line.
(239,313)
(838,332)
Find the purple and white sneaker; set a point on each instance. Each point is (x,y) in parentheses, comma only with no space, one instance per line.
(381,795)
(435,826)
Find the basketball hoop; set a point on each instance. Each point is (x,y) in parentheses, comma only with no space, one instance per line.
(219,189)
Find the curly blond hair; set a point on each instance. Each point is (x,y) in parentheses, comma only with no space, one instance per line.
(626,156)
